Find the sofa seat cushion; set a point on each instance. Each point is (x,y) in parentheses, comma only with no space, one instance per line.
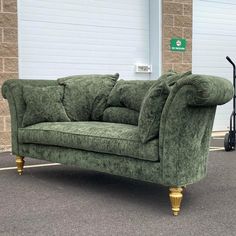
(102,137)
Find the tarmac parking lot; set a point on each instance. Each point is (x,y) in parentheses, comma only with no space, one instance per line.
(52,199)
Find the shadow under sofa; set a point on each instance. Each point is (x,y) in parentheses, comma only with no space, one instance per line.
(156,131)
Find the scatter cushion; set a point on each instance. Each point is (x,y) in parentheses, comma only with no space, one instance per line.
(153,104)
(150,114)
(43,104)
(85,96)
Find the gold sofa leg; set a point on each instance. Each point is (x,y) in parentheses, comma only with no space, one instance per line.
(20,164)
(175,199)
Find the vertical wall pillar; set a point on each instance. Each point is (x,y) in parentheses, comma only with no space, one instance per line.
(8,63)
(176,23)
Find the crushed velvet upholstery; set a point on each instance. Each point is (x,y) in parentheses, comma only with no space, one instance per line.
(119,139)
(85,96)
(186,126)
(184,133)
(107,163)
(129,93)
(125,99)
(205,90)
(13,91)
(121,115)
(153,104)
(150,114)
(43,104)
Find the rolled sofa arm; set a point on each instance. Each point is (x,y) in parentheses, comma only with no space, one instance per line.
(206,90)
(186,126)
(13,92)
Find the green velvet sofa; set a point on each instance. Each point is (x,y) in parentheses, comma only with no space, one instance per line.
(156,130)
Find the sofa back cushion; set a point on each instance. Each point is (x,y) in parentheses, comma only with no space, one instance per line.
(126,98)
(129,93)
(85,96)
(121,115)
(43,104)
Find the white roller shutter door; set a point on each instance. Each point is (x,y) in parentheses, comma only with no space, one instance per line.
(60,38)
(214,38)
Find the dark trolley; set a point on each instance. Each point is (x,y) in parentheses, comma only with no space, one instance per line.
(229,141)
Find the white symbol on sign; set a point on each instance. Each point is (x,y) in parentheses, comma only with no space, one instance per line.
(178,43)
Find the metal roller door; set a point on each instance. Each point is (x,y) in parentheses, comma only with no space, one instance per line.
(214,38)
(59,38)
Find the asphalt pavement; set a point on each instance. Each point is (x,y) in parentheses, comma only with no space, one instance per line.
(65,200)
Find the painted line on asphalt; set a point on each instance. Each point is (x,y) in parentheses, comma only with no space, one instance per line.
(216,149)
(31,166)
(218,138)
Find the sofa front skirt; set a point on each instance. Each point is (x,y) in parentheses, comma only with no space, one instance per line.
(112,164)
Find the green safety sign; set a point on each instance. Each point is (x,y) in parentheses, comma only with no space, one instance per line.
(178,44)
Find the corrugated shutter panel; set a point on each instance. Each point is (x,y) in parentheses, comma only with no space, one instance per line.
(214,38)
(58,38)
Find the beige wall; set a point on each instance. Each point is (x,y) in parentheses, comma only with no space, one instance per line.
(8,63)
(177,22)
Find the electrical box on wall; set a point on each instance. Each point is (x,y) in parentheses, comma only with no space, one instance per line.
(143,68)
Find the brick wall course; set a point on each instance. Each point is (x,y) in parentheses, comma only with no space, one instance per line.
(181,1)
(188,9)
(6,76)
(172,32)
(182,67)
(173,8)
(9,35)
(176,23)
(8,50)
(8,64)
(187,33)
(2,120)
(183,21)
(187,58)
(5,139)
(1,34)
(1,65)
(7,123)
(4,111)
(8,20)
(9,5)
(171,57)
(168,20)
